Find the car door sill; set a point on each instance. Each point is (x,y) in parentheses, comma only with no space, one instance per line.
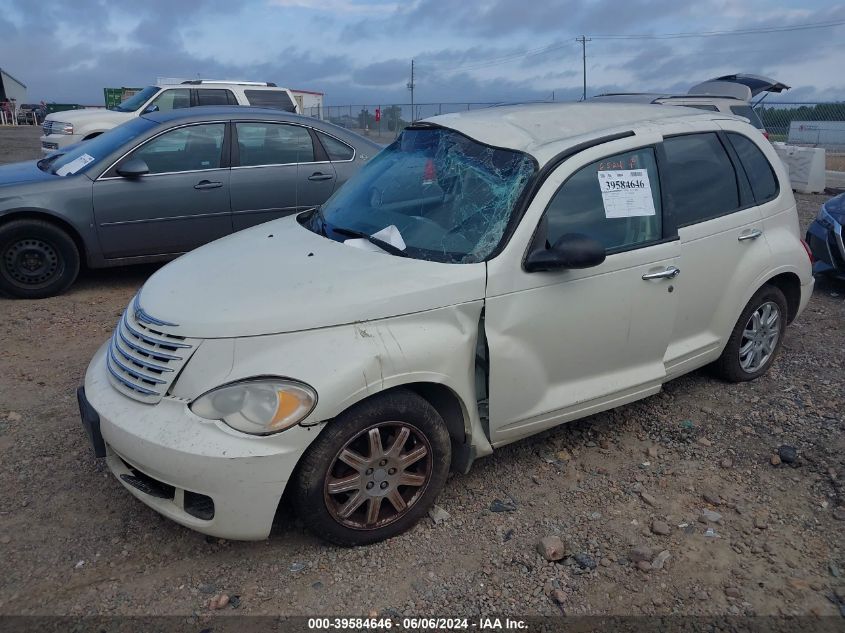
(523,428)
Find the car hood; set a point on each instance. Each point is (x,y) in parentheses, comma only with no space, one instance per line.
(80,117)
(19,173)
(280,277)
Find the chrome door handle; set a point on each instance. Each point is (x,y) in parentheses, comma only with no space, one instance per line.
(753,234)
(319,176)
(207,184)
(670,273)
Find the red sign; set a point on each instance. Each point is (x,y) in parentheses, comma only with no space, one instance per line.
(378,114)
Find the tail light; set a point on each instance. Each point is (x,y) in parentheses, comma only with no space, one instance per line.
(766,134)
(809,252)
(429,173)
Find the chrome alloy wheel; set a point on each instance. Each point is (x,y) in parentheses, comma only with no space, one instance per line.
(378,475)
(760,337)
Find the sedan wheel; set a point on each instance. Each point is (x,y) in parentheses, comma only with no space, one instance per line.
(37,259)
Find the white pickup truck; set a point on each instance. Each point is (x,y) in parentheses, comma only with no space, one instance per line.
(71,126)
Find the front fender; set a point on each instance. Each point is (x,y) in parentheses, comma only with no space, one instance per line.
(348,363)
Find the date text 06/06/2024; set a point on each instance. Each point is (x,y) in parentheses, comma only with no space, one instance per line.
(415,624)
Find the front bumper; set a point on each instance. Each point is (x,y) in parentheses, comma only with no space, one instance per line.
(54,142)
(179,458)
(827,246)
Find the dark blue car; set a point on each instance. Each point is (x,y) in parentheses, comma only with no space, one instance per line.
(825,238)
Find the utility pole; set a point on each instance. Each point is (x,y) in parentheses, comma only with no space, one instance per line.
(411,88)
(584,41)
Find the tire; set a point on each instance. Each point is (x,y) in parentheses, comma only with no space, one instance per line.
(733,365)
(373,482)
(37,259)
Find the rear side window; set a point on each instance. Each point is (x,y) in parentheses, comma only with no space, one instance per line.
(598,201)
(748,112)
(276,99)
(337,150)
(215,96)
(757,168)
(700,179)
(273,144)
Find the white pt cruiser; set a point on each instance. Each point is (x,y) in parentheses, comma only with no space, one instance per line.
(488,275)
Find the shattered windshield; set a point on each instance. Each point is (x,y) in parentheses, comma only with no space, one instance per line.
(433,194)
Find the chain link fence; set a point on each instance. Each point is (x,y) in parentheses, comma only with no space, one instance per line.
(815,124)
(384,122)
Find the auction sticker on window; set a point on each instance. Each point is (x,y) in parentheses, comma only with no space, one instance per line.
(75,165)
(626,193)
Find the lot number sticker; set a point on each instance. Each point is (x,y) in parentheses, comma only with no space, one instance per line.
(626,193)
(75,165)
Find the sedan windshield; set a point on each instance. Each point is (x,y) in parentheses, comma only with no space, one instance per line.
(434,194)
(137,100)
(85,154)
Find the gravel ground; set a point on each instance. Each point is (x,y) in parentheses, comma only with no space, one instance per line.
(619,489)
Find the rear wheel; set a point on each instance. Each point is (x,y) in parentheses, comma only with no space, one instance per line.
(37,259)
(374,471)
(756,337)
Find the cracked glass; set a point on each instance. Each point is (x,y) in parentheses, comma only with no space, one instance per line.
(450,197)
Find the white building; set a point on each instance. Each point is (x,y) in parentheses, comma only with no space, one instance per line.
(310,103)
(11,88)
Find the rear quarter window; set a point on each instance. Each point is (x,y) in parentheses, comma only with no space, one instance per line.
(337,150)
(276,99)
(757,167)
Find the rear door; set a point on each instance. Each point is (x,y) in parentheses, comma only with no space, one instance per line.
(722,253)
(182,203)
(276,172)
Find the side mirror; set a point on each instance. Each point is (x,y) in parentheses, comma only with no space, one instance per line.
(151,108)
(572,250)
(133,168)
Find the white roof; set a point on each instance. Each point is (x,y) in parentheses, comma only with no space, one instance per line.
(530,127)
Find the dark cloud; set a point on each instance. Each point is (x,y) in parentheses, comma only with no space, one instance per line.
(475,51)
(382,73)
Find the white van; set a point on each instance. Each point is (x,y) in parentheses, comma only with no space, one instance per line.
(489,275)
(71,126)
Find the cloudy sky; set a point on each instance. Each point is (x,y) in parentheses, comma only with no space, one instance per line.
(359,51)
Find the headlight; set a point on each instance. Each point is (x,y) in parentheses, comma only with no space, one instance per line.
(260,406)
(63,128)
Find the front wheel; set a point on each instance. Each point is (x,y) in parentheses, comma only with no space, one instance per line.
(37,259)
(756,337)
(374,471)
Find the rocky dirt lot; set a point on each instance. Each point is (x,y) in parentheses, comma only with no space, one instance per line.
(678,504)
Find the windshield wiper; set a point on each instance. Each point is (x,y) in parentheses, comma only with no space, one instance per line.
(385,246)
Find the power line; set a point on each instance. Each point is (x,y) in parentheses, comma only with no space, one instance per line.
(747,31)
(495,61)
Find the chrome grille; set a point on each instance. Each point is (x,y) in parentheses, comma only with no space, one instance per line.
(143,358)
(47,127)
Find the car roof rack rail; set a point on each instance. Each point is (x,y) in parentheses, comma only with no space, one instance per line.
(199,82)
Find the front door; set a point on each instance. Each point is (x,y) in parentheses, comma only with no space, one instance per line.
(182,203)
(276,173)
(568,343)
